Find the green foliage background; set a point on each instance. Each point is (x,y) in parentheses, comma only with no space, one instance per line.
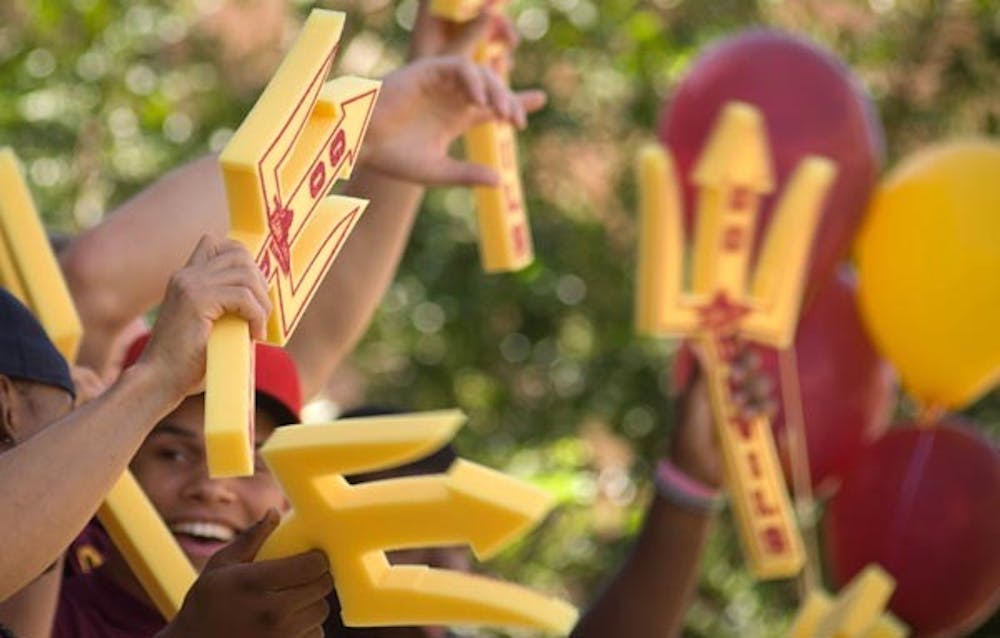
(99,97)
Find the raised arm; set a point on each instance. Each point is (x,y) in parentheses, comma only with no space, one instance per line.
(54,480)
(423,108)
(650,595)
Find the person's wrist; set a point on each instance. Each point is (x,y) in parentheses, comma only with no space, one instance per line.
(147,380)
(684,490)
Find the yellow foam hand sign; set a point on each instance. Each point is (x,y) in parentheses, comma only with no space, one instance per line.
(302,136)
(28,268)
(505,243)
(728,302)
(148,547)
(355,524)
(857,612)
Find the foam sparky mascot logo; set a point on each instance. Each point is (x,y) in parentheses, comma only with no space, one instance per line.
(303,135)
(355,524)
(719,310)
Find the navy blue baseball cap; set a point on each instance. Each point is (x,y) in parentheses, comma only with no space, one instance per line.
(26,352)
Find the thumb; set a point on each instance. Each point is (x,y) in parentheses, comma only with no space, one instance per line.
(244,547)
(453,172)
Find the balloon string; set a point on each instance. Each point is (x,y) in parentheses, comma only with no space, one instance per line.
(798,453)
(911,483)
(929,416)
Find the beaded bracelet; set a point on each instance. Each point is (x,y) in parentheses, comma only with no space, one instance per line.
(684,491)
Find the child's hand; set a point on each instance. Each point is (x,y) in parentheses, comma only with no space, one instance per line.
(694,449)
(236,597)
(426,105)
(433,36)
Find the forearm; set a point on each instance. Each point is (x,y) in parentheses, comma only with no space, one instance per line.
(55,480)
(342,309)
(648,598)
(119,269)
(30,612)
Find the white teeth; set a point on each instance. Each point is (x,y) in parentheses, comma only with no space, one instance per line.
(200,529)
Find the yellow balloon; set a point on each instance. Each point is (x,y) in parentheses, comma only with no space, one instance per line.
(929,272)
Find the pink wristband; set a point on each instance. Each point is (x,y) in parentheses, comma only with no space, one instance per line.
(680,489)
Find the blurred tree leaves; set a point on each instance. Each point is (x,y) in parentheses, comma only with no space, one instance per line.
(102,96)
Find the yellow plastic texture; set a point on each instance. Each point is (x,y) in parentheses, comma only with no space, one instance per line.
(303,134)
(928,267)
(505,243)
(857,612)
(28,268)
(147,545)
(728,302)
(355,524)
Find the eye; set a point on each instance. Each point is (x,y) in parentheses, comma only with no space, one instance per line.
(172,454)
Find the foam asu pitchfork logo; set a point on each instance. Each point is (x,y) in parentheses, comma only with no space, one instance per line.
(302,136)
(355,524)
(733,172)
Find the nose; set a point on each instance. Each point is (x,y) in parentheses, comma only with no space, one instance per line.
(205,489)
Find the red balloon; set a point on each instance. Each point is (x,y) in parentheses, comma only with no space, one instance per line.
(811,104)
(925,505)
(846,389)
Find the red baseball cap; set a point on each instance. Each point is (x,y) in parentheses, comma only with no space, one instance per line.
(276,381)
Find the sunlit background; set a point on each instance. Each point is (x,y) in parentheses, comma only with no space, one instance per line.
(99,97)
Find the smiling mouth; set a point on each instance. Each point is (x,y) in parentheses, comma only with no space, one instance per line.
(204,531)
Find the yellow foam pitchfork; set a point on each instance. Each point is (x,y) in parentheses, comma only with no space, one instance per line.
(355,524)
(727,302)
(302,136)
(504,232)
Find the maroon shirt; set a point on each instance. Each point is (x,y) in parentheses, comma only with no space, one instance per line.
(91,604)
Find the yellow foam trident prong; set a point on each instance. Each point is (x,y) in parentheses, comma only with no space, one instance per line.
(303,134)
(28,268)
(857,612)
(356,524)
(505,243)
(148,546)
(728,300)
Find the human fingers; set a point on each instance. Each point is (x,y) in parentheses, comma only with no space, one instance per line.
(245,546)
(292,571)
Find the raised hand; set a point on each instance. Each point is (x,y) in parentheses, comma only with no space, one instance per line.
(428,104)
(220,277)
(694,449)
(234,596)
(433,36)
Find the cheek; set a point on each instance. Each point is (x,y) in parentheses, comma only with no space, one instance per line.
(163,488)
(261,494)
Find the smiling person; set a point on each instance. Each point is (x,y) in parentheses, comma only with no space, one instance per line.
(218,523)
(57,463)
